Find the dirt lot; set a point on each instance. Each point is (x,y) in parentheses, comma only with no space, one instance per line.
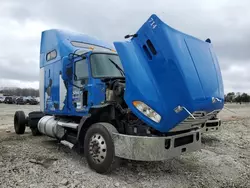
(224,160)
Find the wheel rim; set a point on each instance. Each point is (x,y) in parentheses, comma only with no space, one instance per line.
(98,148)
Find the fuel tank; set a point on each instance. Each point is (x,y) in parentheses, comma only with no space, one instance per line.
(173,73)
(49,126)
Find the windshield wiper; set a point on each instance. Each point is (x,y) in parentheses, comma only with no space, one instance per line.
(117,66)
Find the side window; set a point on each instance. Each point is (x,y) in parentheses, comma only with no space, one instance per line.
(81,70)
(51,55)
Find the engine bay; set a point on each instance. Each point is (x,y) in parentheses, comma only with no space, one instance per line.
(115,89)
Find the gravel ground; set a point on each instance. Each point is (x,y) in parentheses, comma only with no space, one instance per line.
(224,160)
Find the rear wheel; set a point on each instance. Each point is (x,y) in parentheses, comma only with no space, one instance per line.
(19,122)
(99,148)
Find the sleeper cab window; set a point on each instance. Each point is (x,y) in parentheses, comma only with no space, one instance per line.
(51,55)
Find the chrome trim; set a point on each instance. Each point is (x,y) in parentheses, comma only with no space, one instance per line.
(214,128)
(145,148)
(201,117)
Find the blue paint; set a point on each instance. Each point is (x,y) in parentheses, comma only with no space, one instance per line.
(164,68)
(183,71)
(61,42)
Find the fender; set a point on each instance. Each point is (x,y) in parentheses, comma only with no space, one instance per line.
(98,113)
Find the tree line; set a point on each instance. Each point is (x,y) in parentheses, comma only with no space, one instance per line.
(20,92)
(237,97)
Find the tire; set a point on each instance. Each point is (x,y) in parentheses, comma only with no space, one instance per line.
(103,138)
(19,122)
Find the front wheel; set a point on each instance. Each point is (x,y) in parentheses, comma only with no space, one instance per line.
(99,148)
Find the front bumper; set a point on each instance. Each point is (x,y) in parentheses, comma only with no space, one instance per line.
(144,148)
(211,126)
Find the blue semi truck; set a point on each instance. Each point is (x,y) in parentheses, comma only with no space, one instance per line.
(147,99)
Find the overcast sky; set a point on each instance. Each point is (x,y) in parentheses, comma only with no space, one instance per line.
(226,22)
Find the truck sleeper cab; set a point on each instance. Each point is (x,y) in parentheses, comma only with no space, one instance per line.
(136,103)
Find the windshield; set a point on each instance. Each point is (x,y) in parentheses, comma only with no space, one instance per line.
(106,65)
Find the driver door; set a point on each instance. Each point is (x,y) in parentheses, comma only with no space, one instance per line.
(80,82)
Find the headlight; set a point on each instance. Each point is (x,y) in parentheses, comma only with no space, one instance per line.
(147,111)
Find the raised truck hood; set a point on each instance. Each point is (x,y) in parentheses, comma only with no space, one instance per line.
(166,68)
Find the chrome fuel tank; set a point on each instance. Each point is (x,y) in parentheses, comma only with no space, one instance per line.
(48,125)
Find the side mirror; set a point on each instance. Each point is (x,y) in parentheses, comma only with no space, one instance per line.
(67,69)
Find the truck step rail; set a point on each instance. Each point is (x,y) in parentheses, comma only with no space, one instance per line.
(66,143)
(69,125)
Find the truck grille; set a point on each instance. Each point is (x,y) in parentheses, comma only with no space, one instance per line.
(200,117)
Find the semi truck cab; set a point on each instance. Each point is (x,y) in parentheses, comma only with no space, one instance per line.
(146,99)
(89,73)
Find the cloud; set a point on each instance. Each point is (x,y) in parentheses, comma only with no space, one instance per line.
(226,22)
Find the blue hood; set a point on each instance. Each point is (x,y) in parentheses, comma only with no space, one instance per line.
(166,68)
